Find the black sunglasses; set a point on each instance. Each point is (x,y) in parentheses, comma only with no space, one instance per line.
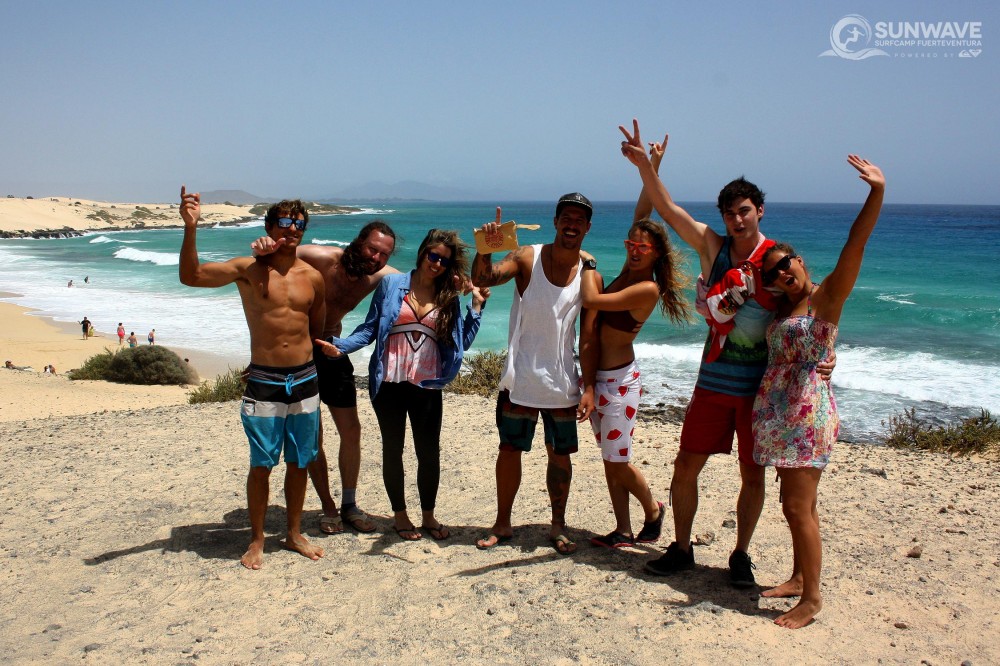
(436,258)
(285,222)
(771,274)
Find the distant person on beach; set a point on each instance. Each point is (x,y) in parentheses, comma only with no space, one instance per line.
(650,276)
(9,365)
(121,334)
(415,320)
(85,326)
(151,337)
(795,421)
(541,375)
(86,280)
(69,284)
(132,340)
(350,274)
(733,361)
(283,298)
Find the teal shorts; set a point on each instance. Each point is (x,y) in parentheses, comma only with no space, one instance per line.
(516,425)
(280,413)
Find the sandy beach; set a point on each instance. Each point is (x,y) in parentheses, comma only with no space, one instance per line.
(125,518)
(19,216)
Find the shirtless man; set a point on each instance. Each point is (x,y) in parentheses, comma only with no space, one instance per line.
(349,275)
(283,299)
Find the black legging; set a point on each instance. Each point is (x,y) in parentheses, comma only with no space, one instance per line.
(393,403)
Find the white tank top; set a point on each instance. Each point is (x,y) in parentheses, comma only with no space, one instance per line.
(540,369)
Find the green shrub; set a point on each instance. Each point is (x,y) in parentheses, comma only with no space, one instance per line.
(150,364)
(101,215)
(95,367)
(480,374)
(222,389)
(972,435)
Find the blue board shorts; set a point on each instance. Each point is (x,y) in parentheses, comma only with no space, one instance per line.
(280,411)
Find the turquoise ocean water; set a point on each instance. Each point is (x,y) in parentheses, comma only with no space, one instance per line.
(922,328)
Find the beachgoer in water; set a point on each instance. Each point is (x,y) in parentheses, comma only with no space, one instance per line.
(795,420)
(649,276)
(350,274)
(283,301)
(415,320)
(541,375)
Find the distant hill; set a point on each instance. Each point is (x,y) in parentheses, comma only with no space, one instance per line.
(238,197)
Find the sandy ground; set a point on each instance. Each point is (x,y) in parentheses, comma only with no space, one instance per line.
(123,528)
(18,215)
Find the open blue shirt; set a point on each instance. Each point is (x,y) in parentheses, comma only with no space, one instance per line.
(383,313)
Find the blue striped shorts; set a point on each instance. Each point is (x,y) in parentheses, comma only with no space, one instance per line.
(280,411)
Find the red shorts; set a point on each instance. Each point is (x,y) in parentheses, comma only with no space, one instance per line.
(711,420)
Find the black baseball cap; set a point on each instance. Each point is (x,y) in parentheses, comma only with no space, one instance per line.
(575,199)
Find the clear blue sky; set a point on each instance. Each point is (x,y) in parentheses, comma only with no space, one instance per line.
(513,100)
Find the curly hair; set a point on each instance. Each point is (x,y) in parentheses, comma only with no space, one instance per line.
(446,291)
(286,208)
(670,280)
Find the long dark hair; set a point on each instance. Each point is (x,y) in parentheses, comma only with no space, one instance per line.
(670,280)
(447,286)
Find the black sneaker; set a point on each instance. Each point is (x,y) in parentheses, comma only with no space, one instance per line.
(673,560)
(741,569)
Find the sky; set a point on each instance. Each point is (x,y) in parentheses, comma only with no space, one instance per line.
(124,101)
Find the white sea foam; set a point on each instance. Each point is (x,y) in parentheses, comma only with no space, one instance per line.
(369,211)
(158,258)
(105,239)
(902,299)
(919,377)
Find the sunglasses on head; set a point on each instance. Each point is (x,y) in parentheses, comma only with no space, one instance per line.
(771,274)
(436,258)
(641,248)
(285,222)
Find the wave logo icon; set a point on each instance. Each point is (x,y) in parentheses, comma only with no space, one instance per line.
(849,39)
(970,53)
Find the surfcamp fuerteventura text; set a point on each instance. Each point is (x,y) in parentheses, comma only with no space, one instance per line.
(854,38)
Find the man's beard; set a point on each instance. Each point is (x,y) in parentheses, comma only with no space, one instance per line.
(355,264)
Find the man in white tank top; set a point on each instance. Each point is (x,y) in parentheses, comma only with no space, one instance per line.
(541,375)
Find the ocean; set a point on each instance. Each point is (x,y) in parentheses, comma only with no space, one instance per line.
(921,329)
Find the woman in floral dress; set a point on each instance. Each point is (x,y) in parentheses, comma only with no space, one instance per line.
(795,415)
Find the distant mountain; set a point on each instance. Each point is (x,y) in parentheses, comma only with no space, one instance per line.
(238,197)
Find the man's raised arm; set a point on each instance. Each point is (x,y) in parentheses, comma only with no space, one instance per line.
(487,274)
(696,234)
(192,272)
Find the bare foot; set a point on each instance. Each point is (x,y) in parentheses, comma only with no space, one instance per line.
(254,557)
(790,588)
(493,539)
(801,615)
(301,545)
